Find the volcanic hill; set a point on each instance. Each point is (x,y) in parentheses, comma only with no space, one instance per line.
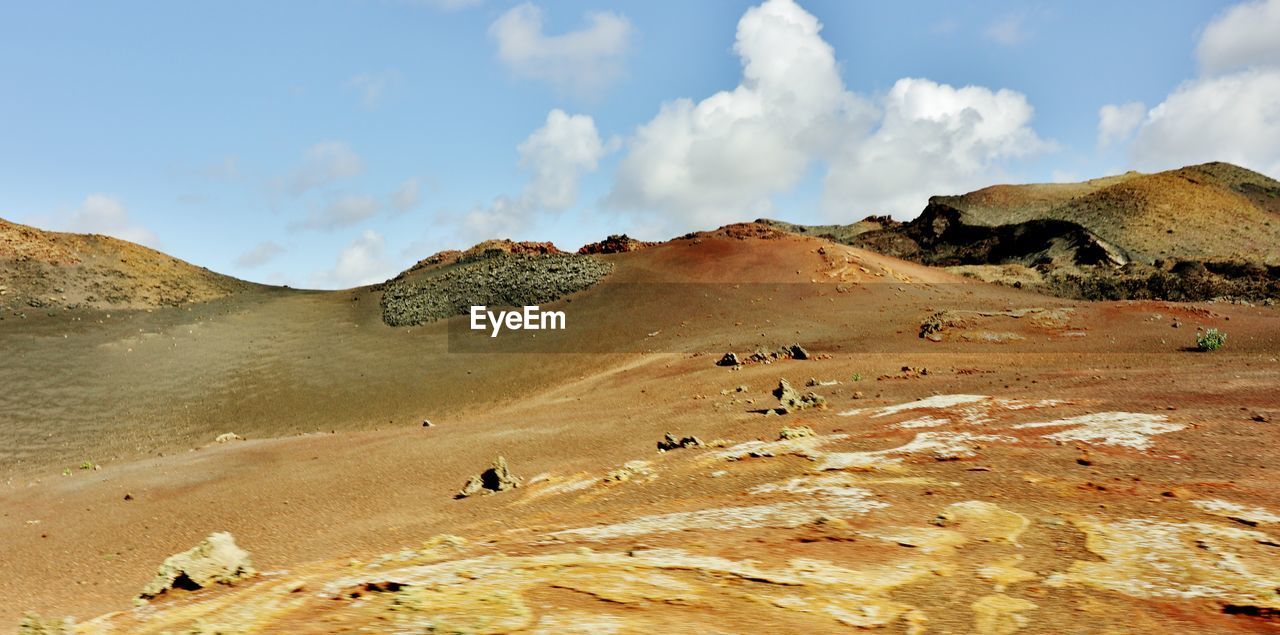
(1194,233)
(945,455)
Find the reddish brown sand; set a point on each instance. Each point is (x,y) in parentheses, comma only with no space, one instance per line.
(337,466)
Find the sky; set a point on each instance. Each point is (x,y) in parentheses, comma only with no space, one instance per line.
(334,143)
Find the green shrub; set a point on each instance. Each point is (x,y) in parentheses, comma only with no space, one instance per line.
(1211,340)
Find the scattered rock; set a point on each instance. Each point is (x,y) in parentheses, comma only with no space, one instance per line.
(814,382)
(497,478)
(794,351)
(796,432)
(907,372)
(729,359)
(790,400)
(228,437)
(426,423)
(628,471)
(216,560)
(670,442)
(1261,418)
(128,497)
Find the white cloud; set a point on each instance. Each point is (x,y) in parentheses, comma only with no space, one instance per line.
(933,139)
(1231,112)
(1009,30)
(259,255)
(324,163)
(373,87)
(1233,118)
(363,261)
(342,211)
(725,157)
(1247,34)
(580,63)
(103,214)
(1117,122)
(407,196)
(556,156)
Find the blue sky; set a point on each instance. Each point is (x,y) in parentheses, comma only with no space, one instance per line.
(338,143)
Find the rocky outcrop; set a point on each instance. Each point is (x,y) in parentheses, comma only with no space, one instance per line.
(615,244)
(216,560)
(671,442)
(492,278)
(941,237)
(498,478)
(790,400)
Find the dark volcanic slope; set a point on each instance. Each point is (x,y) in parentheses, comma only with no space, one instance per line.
(1215,211)
(1193,233)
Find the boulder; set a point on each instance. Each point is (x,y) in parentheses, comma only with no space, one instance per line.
(797,432)
(498,478)
(790,400)
(670,442)
(216,560)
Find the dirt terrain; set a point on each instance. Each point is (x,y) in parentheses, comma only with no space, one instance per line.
(973,458)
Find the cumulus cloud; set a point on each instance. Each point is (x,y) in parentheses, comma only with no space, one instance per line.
(556,156)
(1231,112)
(1234,117)
(580,63)
(103,214)
(363,261)
(323,164)
(407,196)
(373,87)
(725,156)
(259,255)
(1117,122)
(343,211)
(932,139)
(703,163)
(1247,34)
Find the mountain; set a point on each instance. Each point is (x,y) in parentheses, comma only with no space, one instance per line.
(1188,234)
(43,270)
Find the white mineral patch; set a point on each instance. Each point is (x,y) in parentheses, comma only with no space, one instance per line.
(1128,429)
(941,445)
(937,401)
(921,422)
(784,514)
(1236,511)
(806,447)
(820,484)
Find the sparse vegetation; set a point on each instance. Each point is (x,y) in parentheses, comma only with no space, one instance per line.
(1211,340)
